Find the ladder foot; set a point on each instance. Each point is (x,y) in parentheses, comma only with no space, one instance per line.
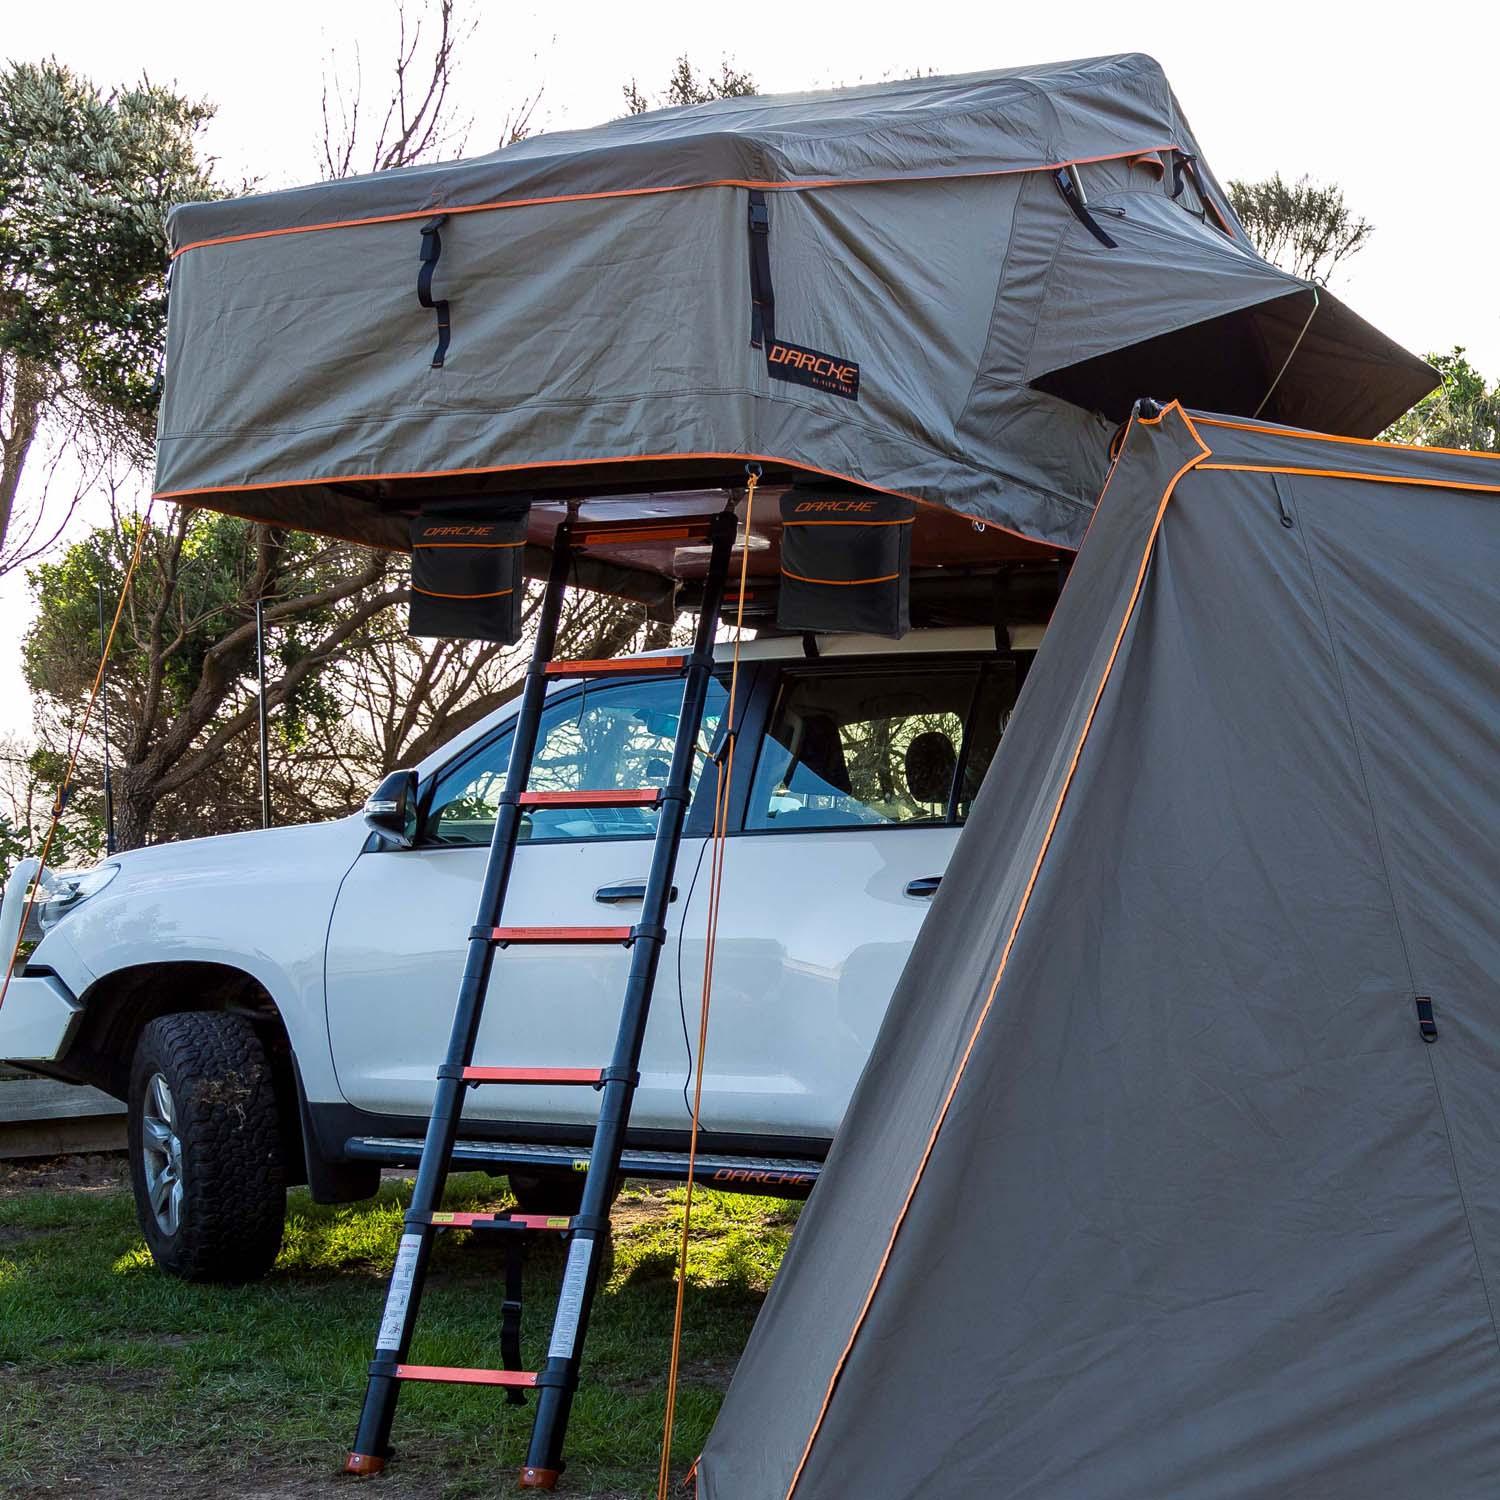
(538,1479)
(363,1463)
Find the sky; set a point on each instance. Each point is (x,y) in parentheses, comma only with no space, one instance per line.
(1395,106)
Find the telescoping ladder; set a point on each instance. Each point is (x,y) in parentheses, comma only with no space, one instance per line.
(556,1381)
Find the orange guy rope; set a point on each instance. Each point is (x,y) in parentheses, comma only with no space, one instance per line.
(725,772)
(74,749)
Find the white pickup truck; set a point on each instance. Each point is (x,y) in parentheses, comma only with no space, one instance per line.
(274,1005)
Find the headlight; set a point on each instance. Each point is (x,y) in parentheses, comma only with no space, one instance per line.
(62,891)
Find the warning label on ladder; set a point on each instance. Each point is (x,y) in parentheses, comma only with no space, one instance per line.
(399,1296)
(570,1299)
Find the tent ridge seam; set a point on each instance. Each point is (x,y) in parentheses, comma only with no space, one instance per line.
(1297,434)
(1422,482)
(1129,614)
(793,185)
(989,329)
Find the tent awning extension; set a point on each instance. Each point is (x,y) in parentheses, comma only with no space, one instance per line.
(1172,1169)
(950,289)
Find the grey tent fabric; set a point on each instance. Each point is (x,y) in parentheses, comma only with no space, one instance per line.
(1151,1186)
(936,241)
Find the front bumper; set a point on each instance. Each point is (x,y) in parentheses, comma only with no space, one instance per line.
(40,1013)
(38,1019)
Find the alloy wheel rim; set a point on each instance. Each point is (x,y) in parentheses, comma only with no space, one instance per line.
(161,1155)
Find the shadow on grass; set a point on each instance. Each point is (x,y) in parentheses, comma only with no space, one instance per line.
(103,1357)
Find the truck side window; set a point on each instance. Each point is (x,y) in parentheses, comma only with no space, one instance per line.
(998,688)
(863,747)
(598,738)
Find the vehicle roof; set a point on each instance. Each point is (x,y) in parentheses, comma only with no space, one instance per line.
(914,642)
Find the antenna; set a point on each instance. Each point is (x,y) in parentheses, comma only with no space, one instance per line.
(109,788)
(265,756)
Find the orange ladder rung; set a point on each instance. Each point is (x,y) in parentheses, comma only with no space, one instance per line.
(557,1222)
(592,1077)
(610,666)
(536,935)
(634,533)
(452,1375)
(648,796)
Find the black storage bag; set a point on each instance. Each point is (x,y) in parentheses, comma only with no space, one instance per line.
(467,572)
(845,562)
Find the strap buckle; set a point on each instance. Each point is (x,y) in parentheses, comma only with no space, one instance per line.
(1426,1022)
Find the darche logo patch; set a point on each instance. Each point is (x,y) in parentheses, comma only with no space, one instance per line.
(839,507)
(811,367)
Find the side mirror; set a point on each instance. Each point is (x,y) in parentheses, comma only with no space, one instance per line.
(391,809)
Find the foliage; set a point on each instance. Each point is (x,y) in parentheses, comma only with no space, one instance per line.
(1464,412)
(180,673)
(29,779)
(1303,226)
(86,179)
(686,85)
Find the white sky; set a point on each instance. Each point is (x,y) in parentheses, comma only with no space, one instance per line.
(1395,105)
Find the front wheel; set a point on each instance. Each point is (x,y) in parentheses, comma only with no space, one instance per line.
(205,1148)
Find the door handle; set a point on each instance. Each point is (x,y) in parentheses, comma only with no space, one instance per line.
(626,890)
(926,885)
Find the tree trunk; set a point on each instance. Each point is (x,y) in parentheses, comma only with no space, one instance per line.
(23,394)
(135,804)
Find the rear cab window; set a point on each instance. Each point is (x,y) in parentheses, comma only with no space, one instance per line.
(886,743)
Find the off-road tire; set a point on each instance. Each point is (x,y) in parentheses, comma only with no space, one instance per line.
(233,1206)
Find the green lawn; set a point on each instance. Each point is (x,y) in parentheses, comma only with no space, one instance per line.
(114,1378)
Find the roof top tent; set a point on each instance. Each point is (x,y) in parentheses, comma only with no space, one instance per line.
(1200,1200)
(948,289)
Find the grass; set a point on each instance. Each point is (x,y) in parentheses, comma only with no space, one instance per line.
(108,1368)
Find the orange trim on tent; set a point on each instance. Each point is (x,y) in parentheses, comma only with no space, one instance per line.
(189,496)
(843,583)
(1036,869)
(1330,437)
(795,185)
(433,594)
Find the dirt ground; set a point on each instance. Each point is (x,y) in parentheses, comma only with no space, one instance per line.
(100,1172)
(145,1481)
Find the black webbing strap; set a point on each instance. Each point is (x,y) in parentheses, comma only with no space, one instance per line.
(1065,185)
(1182,164)
(762,297)
(1426,1021)
(1185,167)
(432,248)
(510,1312)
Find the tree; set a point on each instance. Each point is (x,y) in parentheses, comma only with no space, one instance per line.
(180,697)
(402,699)
(687,86)
(1464,412)
(86,179)
(1304,227)
(28,786)
(351,695)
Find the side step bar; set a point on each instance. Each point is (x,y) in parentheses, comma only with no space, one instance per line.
(771,1175)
